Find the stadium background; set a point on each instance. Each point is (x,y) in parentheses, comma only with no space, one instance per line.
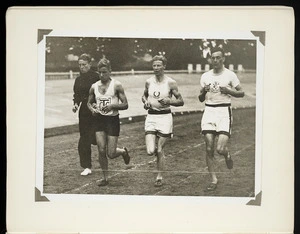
(136,53)
(131,64)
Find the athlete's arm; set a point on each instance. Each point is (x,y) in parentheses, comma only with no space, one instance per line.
(204,87)
(145,96)
(203,91)
(178,101)
(202,94)
(238,92)
(121,95)
(91,100)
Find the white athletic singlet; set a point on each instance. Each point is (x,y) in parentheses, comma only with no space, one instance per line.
(225,79)
(159,90)
(105,99)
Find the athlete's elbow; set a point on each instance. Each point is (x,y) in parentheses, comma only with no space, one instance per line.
(177,103)
(201,99)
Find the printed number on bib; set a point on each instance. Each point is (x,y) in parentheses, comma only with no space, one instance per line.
(102,102)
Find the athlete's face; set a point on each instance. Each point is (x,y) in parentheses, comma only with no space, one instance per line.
(158,67)
(84,66)
(217,60)
(104,73)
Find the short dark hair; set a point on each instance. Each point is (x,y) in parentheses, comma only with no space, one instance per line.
(85,57)
(160,58)
(104,63)
(217,49)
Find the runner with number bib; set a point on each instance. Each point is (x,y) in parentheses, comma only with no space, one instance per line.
(106,98)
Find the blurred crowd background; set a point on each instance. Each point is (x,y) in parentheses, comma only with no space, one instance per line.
(126,54)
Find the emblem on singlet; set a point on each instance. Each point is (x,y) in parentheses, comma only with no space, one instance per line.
(156,94)
(215,87)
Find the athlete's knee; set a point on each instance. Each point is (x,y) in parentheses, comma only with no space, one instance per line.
(209,150)
(101,151)
(150,148)
(221,149)
(111,154)
(159,150)
(151,152)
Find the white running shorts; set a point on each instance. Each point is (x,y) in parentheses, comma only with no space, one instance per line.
(217,120)
(159,124)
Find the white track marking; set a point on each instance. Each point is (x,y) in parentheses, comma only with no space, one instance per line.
(237,152)
(132,169)
(187,178)
(142,164)
(88,184)
(167,187)
(200,171)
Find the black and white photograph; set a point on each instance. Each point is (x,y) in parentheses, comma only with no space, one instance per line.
(155,116)
(150,119)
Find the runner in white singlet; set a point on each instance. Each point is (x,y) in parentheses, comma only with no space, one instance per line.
(157,99)
(217,87)
(106,98)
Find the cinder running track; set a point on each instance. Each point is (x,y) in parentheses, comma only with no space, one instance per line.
(185,172)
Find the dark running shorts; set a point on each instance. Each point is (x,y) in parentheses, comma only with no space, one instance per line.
(108,124)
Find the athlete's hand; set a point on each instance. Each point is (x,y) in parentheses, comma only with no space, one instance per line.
(95,112)
(207,88)
(75,108)
(147,105)
(225,90)
(107,108)
(201,99)
(94,109)
(165,101)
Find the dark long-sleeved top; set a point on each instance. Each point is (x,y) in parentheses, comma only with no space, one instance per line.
(82,86)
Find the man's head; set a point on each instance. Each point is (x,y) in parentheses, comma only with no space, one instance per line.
(84,63)
(159,63)
(217,57)
(104,69)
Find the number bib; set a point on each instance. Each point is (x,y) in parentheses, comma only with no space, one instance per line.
(102,102)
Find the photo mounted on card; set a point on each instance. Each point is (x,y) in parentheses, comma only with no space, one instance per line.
(150,116)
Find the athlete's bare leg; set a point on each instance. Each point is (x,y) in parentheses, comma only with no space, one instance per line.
(222,144)
(101,144)
(160,156)
(223,150)
(150,143)
(112,150)
(210,159)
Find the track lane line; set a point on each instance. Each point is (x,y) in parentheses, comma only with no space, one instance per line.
(149,162)
(205,168)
